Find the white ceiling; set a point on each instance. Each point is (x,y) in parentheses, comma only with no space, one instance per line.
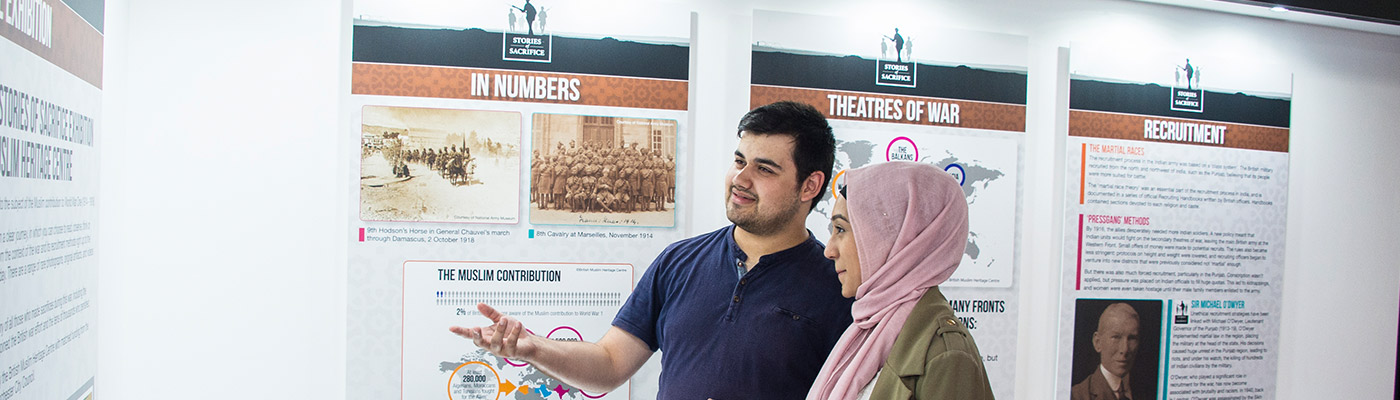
(1294,16)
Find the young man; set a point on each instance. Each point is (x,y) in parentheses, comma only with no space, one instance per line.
(749,311)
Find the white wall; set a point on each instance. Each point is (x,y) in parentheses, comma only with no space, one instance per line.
(222,229)
(221,254)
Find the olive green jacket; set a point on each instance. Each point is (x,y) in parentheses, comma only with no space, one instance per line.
(934,357)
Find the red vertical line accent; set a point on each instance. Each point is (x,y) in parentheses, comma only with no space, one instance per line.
(1083,154)
(362,234)
(1079,256)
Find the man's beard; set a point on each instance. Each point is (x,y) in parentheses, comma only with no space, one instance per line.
(757,223)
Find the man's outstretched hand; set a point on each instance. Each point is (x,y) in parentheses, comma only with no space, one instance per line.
(505,337)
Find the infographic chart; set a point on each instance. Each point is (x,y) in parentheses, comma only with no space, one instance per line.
(569,302)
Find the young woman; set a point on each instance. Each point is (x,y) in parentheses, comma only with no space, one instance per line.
(898,229)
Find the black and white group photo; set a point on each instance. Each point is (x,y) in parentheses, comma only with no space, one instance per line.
(595,170)
(426,164)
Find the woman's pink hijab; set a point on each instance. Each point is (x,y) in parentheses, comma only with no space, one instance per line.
(910,225)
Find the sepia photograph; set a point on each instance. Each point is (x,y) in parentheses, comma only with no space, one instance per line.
(599,170)
(439,165)
(1116,347)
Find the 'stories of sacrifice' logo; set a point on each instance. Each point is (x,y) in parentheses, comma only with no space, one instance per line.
(1190,98)
(1182,314)
(901,71)
(528,46)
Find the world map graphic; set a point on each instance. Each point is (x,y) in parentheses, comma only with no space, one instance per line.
(518,382)
(974,176)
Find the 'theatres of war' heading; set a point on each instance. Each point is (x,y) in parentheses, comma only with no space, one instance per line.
(893,109)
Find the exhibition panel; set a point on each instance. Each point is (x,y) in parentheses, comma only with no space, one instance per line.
(50,141)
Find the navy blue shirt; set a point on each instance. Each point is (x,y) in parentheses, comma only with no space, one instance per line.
(764,335)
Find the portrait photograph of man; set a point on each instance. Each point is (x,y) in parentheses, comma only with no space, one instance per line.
(1117,344)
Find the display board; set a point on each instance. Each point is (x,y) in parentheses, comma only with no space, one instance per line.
(1175,216)
(526,155)
(957,100)
(50,111)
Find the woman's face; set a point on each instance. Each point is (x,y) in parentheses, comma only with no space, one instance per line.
(841,248)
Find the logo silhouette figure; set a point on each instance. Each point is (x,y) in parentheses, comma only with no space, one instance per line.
(1190,74)
(898,45)
(529,11)
(544,13)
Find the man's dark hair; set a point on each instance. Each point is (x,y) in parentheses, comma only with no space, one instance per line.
(814,146)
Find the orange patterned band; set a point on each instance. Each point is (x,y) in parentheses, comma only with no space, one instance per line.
(878,107)
(1147,128)
(522,86)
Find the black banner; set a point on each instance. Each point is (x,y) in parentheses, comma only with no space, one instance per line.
(1151,99)
(476,48)
(852,73)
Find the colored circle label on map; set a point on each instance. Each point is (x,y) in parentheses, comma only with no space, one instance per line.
(474,380)
(957,172)
(902,149)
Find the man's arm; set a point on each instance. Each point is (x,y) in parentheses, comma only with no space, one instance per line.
(595,367)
